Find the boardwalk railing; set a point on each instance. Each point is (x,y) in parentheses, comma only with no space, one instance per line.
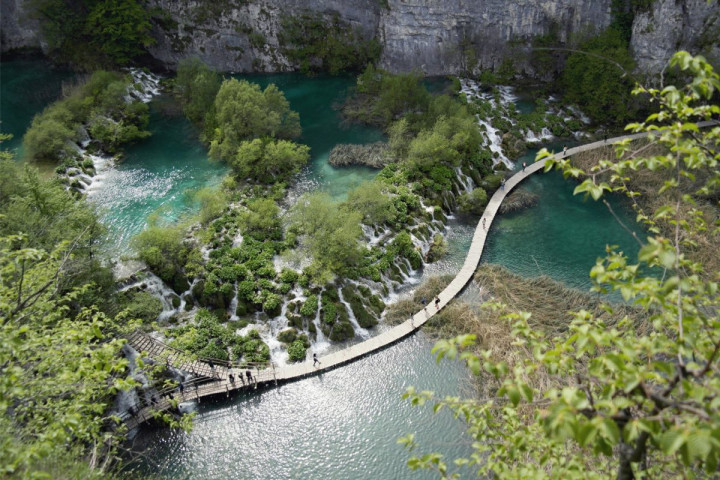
(220,384)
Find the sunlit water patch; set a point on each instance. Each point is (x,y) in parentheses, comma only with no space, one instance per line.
(342,424)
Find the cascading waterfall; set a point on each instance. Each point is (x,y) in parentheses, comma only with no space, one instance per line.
(154,285)
(464,180)
(359,331)
(87,180)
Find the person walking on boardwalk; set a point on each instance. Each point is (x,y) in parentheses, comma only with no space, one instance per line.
(484,227)
(564,150)
(502,184)
(249,376)
(315,360)
(524,165)
(437,303)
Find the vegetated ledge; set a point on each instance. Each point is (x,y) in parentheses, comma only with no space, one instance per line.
(375,155)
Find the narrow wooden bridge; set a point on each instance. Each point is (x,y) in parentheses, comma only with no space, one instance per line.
(215,380)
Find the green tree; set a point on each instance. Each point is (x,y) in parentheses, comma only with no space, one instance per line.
(596,78)
(473,203)
(638,398)
(269,161)
(45,213)
(117,31)
(213,202)
(53,413)
(100,105)
(372,201)
(330,234)
(262,220)
(120,29)
(163,249)
(245,112)
(197,85)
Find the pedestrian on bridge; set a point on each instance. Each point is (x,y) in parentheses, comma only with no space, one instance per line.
(249,376)
(315,360)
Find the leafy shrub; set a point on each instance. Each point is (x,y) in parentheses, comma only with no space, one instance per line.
(310,306)
(297,351)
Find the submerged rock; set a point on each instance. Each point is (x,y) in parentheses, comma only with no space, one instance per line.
(518,200)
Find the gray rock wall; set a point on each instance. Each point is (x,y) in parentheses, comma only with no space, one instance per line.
(433,36)
(428,34)
(671,25)
(16,29)
(221,32)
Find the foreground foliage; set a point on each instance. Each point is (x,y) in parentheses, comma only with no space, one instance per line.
(59,353)
(631,401)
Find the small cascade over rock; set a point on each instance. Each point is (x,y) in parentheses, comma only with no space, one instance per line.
(89,166)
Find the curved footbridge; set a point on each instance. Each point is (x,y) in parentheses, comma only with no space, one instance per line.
(216,380)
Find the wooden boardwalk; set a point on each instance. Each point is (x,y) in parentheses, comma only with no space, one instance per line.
(219,382)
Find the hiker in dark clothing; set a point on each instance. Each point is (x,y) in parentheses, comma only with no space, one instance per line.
(249,376)
(437,302)
(315,360)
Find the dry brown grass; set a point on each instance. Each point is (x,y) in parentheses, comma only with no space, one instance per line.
(549,303)
(519,199)
(400,311)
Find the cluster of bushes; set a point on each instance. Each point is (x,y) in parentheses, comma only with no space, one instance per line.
(382,97)
(99,106)
(248,128)
(208,337)
(44,213)
(326,44)
(297,344)
(164,249)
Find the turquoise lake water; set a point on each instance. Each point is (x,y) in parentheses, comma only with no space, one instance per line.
(342,424)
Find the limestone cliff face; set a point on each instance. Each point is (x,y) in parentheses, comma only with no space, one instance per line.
(241,35)
(671,25)
(430,35)
(434,36)
(16,29)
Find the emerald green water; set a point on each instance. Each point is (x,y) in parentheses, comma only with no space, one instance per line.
(317,99)
(342,424)
(157,176)
(160,174)
(26,87)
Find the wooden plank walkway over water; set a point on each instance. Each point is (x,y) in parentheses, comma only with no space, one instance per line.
(218,377)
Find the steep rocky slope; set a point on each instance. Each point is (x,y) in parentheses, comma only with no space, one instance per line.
(433,36)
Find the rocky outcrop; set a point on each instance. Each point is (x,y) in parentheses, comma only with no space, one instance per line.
(671,25)
(17,29)
(433,36)
(245,36)
(438,36)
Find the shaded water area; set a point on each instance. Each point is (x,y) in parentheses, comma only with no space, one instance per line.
(344,423)
(27,86)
